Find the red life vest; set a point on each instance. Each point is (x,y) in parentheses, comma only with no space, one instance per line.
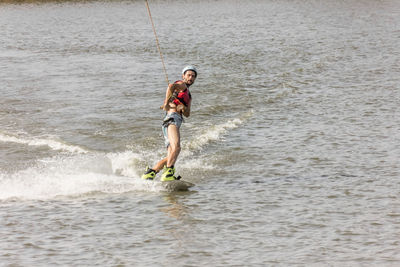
(184,97)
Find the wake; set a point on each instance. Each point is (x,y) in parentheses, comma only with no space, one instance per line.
(51,143)
(81,171)
(213,133)
(75,176)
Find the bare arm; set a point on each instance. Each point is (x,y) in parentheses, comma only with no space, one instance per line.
(186,110)
(170,90)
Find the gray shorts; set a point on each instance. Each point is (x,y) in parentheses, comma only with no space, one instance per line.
(172,118)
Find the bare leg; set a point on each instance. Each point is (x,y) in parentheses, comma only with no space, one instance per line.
(174,145)
(173,149)
(160,165)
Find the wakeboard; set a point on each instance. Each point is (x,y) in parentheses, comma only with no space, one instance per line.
(177,185)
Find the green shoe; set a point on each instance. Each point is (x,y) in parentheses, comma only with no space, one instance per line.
(168,174)
(149,174)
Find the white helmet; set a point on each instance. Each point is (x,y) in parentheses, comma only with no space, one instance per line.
(190,67)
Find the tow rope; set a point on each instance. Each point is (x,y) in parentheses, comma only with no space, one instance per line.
(157,42)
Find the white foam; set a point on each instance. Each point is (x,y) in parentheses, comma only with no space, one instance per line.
(75,175)
(126,163)
(213,133)
(51,143)
(195,164)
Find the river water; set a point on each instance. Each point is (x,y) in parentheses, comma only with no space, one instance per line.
(293,141)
